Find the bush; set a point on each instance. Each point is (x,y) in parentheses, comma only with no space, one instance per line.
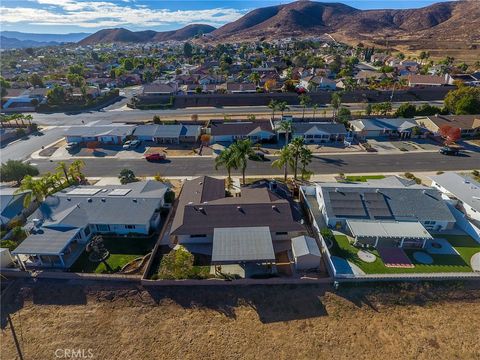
(177,264)
(169,197)
(9,244)
(326,233)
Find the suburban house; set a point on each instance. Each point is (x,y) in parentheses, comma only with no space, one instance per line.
(317,132)
(387,212)
(102,134)
(231,131)
(429,80)
(316,83)
(61,227)
(238,88)
(469,125)
(11,205)
(463,190)
(168,134)
(372,128)
(249,228)
(156,89)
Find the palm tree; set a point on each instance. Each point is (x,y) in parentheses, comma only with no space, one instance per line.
(304,101)
(314,107)
(226,159)
(336,103)
(273,105)
(75,170)
(62,167)
(283,160)
(36,190)
(287,126)
(282,106)
(242,150)
(305,159)
(296,147)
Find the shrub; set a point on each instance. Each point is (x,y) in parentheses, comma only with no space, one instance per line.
(177,264)
(9,244)
(169,197)
(326,233)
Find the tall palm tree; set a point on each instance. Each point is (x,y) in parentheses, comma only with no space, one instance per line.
(242,150)
(314,107)
(75,170)
(305,159)
(62,167)
(282,107)
(226,159)
(336,103)
(283,160)
(273,105)
(304,101)
(36,191)
(287,126)
(296,147)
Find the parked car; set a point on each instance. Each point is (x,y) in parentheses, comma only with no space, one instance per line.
(447,150)
(126,145)
(71,146)
(155,157)
(130,144)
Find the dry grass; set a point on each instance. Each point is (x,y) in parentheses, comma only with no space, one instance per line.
(280,322)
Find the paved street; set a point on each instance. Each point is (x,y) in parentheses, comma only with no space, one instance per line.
(365,163)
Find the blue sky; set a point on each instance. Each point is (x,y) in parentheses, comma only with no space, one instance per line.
(64,16)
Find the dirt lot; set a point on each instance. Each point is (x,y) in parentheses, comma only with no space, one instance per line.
(277,322)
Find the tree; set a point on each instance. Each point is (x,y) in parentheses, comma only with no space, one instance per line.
(314,107)
(464,100)
(284,160)
(156,119)
(368,109)
(4,85)
(187,49)
(273,105)
(127,176)
(336,102)
(242,151)
(205,139)
(450,134)
(62,167)
(36,80)
(296,147)
(255,78)
(228,160)
(287,126)
(406,110)
(76,69)
(282,107)
(304,101)
(15,170)
(305,160)
(35,190)
(344,114)
(75,170)
(56,96)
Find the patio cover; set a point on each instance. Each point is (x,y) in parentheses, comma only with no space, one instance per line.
(388,229)
(242,244)
(46,241)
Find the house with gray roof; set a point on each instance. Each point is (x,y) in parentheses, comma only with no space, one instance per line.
(168,134)
(373,128)
(64,223)
(317,132)
(386,207)
(463,190)
(227,132)
(251,227)
(11,205)
(103,134)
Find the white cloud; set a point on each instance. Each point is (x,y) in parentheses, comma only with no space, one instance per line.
(97,14)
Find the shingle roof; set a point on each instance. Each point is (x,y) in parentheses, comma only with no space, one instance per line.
(92,131)
(326,127)
(239,128)
(381,124)
(199,213)
(459,121)
(168,131)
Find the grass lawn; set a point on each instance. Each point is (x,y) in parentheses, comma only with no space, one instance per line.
(364,178)
(122,251)
(465,245)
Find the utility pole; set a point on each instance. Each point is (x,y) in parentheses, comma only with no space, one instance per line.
(17,345)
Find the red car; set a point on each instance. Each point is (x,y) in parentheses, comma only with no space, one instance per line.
(155,157)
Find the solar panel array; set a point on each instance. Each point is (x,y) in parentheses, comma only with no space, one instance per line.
(354,204)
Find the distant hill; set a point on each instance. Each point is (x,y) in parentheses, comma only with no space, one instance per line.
(11,43)
(121,35)
(58,38)
(455,19)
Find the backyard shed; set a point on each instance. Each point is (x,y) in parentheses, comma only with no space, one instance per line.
(5,258)
(305,252)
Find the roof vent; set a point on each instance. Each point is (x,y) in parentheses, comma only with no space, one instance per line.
(134,200)
(103,199)
(190,203)
(89,199)
(69,199)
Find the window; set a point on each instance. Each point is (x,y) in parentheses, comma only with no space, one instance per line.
(198,235)
(130,226)
(281,233)
(102,227)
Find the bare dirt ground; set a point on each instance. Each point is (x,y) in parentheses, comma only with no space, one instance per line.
(257,322)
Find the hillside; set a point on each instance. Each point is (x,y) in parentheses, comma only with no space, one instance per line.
(306,18)
(121,35)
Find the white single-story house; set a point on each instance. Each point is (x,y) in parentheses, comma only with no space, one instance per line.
(65,222)
(372,128)
(317,132)
(102,134)
(168,134)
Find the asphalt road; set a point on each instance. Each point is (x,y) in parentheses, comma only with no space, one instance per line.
(115,113)
(329,164)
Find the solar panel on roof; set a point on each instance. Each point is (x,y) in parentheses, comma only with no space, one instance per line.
(84,191)
(119,192)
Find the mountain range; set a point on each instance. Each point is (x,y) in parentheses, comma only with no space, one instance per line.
(17,40)
(125,36)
